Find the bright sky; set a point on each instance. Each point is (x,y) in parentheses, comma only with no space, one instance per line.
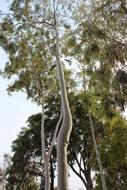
(14,111)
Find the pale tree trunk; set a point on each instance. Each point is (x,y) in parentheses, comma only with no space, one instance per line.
(65,130)
(44,154)
(97,154)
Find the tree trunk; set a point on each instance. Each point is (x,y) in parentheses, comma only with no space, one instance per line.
(65,130)
(44,154)
(97,154)
(52,174)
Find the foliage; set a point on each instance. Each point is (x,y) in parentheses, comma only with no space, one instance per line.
(26,160)
(113,152)
(99,46)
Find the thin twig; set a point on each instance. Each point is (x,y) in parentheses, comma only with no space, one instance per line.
(54,136)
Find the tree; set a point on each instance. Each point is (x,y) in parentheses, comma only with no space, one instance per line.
(27,163)
(98,158)
(80,151)
(24,22)
(99,46)
(95,38)
(113,152)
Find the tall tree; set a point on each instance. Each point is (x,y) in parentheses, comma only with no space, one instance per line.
(30,36)
(99,47)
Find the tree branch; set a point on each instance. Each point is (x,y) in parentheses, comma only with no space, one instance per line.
(79,175)
(54,136)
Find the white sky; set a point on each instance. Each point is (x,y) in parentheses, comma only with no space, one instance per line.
(14,111)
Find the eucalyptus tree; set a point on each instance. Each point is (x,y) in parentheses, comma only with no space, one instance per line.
(105,58)
(99,47)
(30,36)
(81,150)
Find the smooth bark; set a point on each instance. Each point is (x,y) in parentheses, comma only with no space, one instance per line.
(97,154)
(46,155)
(65,130)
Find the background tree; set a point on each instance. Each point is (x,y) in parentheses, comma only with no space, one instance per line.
(80,151)
(27,161)
(81,154)
(99,47)
(113,151)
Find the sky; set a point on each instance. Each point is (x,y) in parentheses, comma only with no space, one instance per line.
(14,112)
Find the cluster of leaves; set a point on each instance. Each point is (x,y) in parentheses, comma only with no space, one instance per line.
(113,152)
(99,46)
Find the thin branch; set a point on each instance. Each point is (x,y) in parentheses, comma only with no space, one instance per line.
(54,136)
(44,22)
(3,14)
(123,67)
(78,163)
(84,165)
(78,174)
(42,133)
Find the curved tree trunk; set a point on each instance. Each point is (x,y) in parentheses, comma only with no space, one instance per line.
(65,130)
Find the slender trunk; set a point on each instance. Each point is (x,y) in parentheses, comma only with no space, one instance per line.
(65,130)
(44,154)
(52,174)
(97,154)
(83,174)
(79,175)
(89,182)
